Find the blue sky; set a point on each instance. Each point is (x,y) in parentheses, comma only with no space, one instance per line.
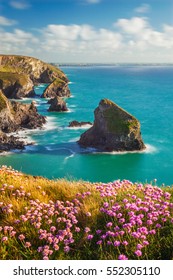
(105,31)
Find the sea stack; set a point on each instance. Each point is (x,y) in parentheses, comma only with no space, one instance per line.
(114,129)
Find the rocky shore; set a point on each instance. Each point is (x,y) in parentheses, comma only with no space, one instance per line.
(18,76)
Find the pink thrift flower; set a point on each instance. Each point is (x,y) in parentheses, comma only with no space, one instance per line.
(56,247)
(139,246)
(87,229)
(99,242)
(21,237)
(27,244)
(88,214)
(125,243)
(122,257)
(66,249)
(116,243)
(4,239)
(109,224)
(90,236)
(53,229)
(77,229)
(138,253)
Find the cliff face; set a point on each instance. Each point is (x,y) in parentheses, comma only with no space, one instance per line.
(114,130)
(19,74)
(13,117)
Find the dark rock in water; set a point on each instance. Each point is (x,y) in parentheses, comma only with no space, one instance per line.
(11,142)
(114,130)
(57,105)
(78,124)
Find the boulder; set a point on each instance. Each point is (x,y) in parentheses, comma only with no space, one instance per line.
(114,129)
(78,124)
(57,105)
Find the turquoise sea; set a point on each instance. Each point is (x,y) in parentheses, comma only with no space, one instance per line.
(144,91)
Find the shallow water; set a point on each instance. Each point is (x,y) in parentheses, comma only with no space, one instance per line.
(145,92)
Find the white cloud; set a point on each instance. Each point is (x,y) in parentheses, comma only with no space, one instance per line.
(79,38)
(20,5)
(17,42)
(139,31)
(132,40)
(144,8)
(6,22)
(134,25)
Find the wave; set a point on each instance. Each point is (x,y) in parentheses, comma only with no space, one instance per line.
(51,123)
(86,126)
(6,153)
(150,149)
(73,140)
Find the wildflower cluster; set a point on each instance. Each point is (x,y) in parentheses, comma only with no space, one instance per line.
(119,220)
(132,222)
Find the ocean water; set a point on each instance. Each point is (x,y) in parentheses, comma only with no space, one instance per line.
(144,91)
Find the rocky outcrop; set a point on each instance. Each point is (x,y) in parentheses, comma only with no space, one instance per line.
(26,116)
(114,130)
(56,88)
(15,116)
(8,143)
(78,124)
(19,74)
(57,105)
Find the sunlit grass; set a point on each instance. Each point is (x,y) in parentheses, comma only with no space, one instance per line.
(61,219)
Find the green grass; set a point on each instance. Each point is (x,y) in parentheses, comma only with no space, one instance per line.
(9,78)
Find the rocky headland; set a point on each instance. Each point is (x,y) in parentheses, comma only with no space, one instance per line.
(19,75)
(114,129)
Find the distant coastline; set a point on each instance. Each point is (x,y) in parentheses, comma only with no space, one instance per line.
(82,64)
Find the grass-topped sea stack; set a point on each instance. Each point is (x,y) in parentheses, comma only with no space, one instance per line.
(114,129)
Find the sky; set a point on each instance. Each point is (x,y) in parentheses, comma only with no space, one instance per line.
(88,31)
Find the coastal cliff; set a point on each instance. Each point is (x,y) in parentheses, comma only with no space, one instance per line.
(15,116)
(114,130)
(19,75)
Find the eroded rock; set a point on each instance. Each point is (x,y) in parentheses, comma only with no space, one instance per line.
(114,129)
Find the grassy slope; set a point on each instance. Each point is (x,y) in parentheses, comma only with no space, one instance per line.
(60,219)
